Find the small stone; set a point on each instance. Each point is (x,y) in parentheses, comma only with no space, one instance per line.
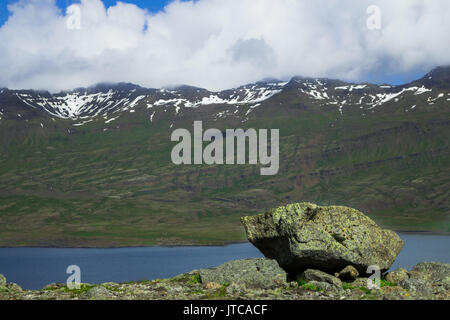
(212,285)
(109,284)
(54,286)
(348,273)
(393,293)
(360,282)
(14,287)
(99,293)
(48,295)
(397,276)
(317,275)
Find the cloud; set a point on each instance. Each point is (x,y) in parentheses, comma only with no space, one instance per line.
(217,44)
(255,52)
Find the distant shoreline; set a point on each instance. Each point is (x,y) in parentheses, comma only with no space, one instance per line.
(130,247)
(408,232)
(430,233)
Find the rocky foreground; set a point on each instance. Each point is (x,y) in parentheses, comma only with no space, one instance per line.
(255,279)
(312,253)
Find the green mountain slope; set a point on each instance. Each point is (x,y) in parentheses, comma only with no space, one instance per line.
(69,182)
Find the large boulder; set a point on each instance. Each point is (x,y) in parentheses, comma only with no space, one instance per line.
(307,236)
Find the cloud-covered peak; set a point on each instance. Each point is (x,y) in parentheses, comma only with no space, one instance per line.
(217,44)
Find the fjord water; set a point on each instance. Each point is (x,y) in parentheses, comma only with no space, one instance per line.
(33,268)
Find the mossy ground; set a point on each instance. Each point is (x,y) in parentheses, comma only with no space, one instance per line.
(187,287)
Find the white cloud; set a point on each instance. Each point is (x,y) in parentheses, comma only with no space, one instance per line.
(218,44)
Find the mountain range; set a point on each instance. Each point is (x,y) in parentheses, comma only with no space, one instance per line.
(91,167)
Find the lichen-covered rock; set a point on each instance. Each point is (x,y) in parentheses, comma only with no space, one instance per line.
(360,282)
(212,285)
(2,280)
(446,283)
(306,236)
(418,285)
(428,278)
(234,288)
(99,293)
(54,286)
(13,287)
(320,276)
(396,293)
(397,276)
(253,272)
(430,271)
(348,273)
(188,287)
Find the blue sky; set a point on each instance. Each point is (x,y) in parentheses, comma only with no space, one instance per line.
(221,44)
(396,78)
(150,5)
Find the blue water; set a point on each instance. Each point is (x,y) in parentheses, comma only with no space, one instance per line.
(33,268)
